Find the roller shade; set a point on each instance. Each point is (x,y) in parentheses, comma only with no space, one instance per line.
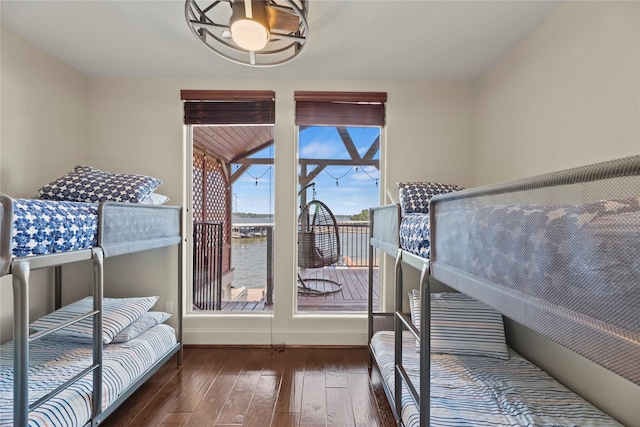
(222,107)
(340,108)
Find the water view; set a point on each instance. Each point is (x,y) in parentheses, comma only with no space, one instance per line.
(249,254)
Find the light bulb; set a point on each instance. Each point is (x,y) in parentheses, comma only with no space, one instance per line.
(249,34)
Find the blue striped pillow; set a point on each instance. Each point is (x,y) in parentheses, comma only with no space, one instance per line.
(463,326)
(118,313)
(145,322)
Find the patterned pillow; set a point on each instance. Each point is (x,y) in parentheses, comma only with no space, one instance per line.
(463,326)
(118,313)
(145,322)
(88,184)
(415,196)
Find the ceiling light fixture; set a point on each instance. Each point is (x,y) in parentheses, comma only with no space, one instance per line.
(258,33)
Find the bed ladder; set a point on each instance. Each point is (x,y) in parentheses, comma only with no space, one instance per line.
(401,322)
(20,270)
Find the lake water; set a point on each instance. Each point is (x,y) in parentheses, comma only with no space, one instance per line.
(249,255)
(249,258)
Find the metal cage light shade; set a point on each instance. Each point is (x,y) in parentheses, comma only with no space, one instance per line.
(258,33)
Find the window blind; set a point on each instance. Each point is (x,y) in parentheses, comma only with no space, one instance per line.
(228,107)
(340,108)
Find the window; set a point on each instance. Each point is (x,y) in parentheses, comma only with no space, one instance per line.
(339,137)
(232,138)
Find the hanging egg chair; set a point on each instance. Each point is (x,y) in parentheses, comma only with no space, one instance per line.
(318,247)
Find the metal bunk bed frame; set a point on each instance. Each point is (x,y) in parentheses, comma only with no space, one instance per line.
(20,268)
(384,223)
(384,234)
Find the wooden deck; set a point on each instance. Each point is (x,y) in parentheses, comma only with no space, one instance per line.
(352,297)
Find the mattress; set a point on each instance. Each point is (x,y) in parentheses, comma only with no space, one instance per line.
(31,227)
(45,227)
(484,391)
(414,234)
(54,361)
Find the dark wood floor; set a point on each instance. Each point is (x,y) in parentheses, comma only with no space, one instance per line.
(262,387)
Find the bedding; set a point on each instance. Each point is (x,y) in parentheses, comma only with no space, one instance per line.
(137,327)
(461,325)
(91,185)
(117,314)
(414,198)
(54,361)
(31,227)
(485,391)
(45,227)
(155,199)
(414,234)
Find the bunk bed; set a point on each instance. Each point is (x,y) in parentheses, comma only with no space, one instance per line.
(557,253)
(85,358)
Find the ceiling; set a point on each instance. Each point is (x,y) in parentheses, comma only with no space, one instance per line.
(348,39)
(232,144)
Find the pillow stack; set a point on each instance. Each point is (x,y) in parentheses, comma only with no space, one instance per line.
(122,319)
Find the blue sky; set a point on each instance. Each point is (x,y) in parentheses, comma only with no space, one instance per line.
(356,190)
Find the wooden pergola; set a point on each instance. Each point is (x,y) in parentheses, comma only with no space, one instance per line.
(218,148)
(233,145)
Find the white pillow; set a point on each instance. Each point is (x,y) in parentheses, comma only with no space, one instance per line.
(118,313)
(463,326)
(393,191)
(145,322)
(155,199)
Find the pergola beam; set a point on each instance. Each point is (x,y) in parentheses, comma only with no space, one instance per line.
(348,142)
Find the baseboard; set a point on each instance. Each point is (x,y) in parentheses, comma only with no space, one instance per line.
(342,337)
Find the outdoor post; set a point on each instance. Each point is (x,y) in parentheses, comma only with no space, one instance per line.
(269,297)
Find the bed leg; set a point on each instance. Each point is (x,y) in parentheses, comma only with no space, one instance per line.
(398,335)
(180,301)
(98,294)
(370,296)
(425,346)
(20,271)
(58,286)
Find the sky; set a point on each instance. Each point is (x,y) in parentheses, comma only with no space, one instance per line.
(355,190)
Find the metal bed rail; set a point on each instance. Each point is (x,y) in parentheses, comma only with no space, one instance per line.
(384,223)
(421,397)
(20,269)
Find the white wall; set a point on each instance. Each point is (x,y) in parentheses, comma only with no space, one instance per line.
(55,118)
(44,107)
(568,95)
(137,125)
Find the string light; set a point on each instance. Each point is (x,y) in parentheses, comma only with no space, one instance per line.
(350,169)
(366,173)
(337,178)
(258,177)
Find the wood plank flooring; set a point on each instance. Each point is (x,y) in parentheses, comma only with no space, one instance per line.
(261,387)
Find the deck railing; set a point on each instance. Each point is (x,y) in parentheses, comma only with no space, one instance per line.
(354,244)
(207,265)
(207,258)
